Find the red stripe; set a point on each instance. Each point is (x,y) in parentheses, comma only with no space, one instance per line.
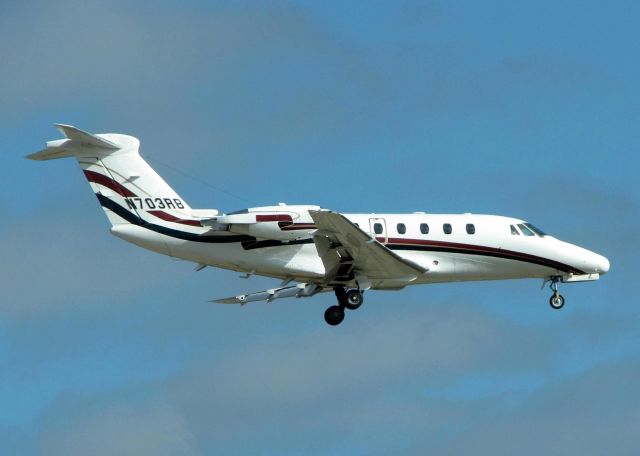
(105,181)
(170,218)
(453,245)
(477,248)
(274,218)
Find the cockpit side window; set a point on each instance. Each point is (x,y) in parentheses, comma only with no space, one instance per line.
(514,231)
(525,230)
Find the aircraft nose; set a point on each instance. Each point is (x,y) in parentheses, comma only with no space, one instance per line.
(602,265)
(597,263)
(588,261)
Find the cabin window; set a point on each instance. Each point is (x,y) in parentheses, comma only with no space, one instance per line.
(526,231)
(471,228)
(424,228)
(447,228)
(514,231)
(377,228)
(401,228)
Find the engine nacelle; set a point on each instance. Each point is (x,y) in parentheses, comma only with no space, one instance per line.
(269,222)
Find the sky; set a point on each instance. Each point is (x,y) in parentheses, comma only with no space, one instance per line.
(525,109)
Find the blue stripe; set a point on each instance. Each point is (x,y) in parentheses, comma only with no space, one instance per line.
(135,220)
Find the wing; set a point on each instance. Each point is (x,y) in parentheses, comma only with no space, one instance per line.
(300,290)
(369,259)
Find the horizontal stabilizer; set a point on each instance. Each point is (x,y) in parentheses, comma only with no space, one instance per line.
(51,153)
(76,141)
(84,137)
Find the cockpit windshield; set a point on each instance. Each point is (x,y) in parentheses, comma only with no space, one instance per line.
(528,230)
(536,230)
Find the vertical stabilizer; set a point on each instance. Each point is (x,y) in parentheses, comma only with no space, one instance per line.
(128,189)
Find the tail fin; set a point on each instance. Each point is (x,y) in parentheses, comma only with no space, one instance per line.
(128,189)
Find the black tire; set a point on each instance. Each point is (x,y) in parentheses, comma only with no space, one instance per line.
(556,302)
(334,315)
(353,299)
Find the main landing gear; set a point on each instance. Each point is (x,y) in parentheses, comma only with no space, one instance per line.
(557,300)
(347,299)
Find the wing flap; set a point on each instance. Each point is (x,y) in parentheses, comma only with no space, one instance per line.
(300,290)
(370,258)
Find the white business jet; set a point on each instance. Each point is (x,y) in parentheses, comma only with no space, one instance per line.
(314,250)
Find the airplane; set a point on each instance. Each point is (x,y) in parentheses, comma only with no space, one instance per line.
(314,250)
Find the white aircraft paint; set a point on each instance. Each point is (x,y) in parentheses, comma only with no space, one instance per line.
(319,249)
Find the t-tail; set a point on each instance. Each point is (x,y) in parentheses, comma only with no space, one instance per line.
(128,189)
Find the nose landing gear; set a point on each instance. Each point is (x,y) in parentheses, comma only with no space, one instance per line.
(347,299)
(557,300)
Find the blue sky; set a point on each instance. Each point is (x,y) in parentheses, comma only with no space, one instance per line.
(528,109)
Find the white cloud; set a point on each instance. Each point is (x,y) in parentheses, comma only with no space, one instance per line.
(53,263)
(317,381)
(382,386)
(221,82)
(153,429)
(592,413)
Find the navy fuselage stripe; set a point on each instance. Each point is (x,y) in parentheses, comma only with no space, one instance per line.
(135,220)
(248,242)
(255,244)
(251,243)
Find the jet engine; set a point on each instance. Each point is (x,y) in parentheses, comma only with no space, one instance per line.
(268,222)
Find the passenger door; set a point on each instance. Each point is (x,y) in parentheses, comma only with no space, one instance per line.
(378,228)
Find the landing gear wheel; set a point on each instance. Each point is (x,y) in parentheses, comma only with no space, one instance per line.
(556,301)
(354,299)
(334,315)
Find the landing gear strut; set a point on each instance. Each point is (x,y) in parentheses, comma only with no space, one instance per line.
(347,299)
(557,300)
